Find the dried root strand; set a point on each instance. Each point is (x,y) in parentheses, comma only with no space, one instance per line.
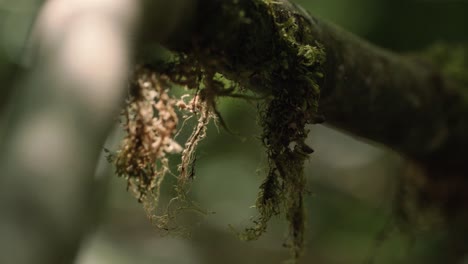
(186,171)
(150,122)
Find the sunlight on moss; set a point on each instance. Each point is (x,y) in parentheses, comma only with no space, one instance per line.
(293,105)
(292,81)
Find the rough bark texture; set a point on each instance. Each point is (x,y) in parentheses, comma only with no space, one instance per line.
(404,102)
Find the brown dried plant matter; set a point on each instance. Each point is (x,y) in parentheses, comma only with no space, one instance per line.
(150,122)
(291,78)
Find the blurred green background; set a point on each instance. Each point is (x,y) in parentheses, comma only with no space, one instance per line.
(351,182)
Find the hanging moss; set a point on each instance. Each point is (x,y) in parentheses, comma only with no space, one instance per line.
(293,105)
(277,56)
(270,47)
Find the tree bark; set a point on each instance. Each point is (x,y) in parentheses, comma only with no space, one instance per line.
(403,102)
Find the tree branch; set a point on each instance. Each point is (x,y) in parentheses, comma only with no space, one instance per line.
(403,102)
(410,104)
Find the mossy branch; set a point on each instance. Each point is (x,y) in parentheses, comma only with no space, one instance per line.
(312,71)
(405,102)
(415,104)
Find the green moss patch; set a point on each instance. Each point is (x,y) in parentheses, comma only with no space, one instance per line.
(286,75)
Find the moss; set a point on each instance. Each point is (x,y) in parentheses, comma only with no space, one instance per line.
(277,56)
(292,80)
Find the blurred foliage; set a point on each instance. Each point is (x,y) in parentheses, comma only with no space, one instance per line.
(403,25)
(16,19)
(351,183)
